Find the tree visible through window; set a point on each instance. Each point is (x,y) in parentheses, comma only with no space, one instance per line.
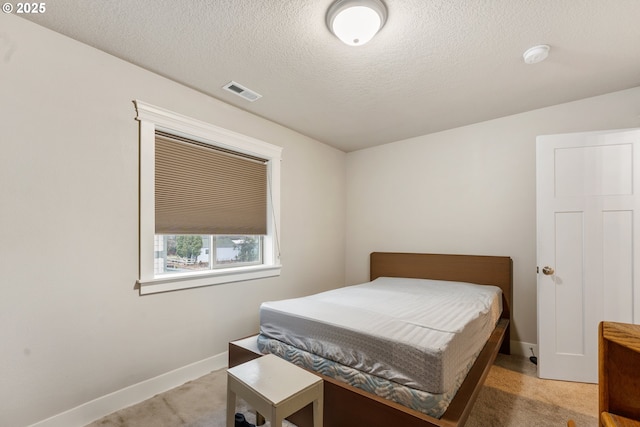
(248,249)
(188,246)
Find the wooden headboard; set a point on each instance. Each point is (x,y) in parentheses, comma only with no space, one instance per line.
(483,270)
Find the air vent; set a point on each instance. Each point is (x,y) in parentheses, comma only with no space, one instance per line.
(242,91)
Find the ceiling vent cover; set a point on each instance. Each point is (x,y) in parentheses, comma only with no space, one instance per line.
(242,91)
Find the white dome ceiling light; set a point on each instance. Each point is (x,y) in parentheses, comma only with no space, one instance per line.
(355,22)
(536,54)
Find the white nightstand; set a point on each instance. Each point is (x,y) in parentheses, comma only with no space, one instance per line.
(275,388)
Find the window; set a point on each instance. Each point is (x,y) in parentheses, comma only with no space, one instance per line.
(209,203)
(185,253)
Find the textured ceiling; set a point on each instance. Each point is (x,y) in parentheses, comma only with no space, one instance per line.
(436,64)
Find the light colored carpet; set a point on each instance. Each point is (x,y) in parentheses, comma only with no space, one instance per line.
(512,396)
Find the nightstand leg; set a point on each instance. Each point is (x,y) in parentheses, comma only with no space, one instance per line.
(231,407)
(276,417)
(317,412)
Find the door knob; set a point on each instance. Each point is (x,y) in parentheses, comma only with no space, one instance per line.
(548,270)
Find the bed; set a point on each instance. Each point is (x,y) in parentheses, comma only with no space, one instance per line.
(346,405)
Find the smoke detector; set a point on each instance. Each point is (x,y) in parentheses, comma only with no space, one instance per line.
(242,91)
(536,54)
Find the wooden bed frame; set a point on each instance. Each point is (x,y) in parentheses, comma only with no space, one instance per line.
(347,406)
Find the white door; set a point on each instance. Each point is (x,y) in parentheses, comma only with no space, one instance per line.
(588,235)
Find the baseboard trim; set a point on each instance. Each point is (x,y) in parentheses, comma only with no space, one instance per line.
(521,348)
(105,405)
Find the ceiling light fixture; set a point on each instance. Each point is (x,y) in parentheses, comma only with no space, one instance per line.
(536,54)
(355,22)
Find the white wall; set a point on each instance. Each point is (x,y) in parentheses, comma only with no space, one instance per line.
(469,190)
(72,327)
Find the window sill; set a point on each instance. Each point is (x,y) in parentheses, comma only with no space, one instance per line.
(175,282)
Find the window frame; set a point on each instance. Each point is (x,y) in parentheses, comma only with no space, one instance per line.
(152,118)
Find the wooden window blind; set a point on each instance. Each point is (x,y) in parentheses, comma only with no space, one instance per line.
(203,189)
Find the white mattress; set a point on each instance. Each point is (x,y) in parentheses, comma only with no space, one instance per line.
(416,332)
